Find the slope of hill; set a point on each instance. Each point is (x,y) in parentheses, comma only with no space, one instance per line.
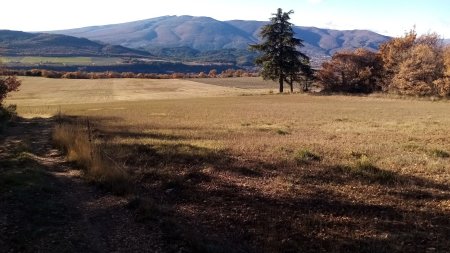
(205,34)
(15,43)
(201,33)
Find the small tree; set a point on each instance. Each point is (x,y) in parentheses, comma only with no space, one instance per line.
(7,85)
(280,59)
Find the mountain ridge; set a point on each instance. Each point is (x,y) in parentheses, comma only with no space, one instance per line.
(205,33)
(18,43)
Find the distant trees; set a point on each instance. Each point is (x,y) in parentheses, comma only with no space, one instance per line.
(409,65)
(280,59)
(228,73)
(358,71)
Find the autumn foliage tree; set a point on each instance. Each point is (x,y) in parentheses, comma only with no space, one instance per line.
(409,65)
(413,65)
(443,84)
(358,71)
(418,72)
(416,65)
(393,53)
(7,85)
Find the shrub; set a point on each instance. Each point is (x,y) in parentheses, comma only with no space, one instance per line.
(8,84)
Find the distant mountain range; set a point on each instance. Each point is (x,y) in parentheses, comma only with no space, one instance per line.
(187,36)
(15,43)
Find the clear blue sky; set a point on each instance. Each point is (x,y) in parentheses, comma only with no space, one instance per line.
(390,17)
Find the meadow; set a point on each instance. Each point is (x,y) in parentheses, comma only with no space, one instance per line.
(222,166)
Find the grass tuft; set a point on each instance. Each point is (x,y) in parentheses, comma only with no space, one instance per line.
(305,156)
(282,132)
(366,169)
(74,139)
(438,153)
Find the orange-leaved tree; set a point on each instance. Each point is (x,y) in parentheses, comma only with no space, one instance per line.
(358,71)
(8,83)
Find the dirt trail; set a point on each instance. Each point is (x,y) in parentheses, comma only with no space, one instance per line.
(64,213)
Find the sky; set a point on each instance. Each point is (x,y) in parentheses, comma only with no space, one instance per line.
(388,17)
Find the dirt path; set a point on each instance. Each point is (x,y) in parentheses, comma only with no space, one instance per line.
(46,207)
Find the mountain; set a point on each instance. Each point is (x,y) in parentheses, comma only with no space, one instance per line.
(16,43)
(200,33)
(206,34)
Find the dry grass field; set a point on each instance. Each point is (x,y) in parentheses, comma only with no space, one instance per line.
(241,82)
(216,171)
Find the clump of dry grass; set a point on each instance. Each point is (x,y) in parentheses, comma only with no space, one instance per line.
(79,146)
(366,169)
(439,153)
(304,156)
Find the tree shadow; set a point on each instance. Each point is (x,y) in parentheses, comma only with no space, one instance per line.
(207,200)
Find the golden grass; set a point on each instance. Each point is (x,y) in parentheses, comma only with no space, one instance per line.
(50,92)
(396,134)
(380,177)
(241,82)
(81,148)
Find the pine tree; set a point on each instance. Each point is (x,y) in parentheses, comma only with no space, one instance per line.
(280,59)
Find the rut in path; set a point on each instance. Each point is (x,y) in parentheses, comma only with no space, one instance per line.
(66,214)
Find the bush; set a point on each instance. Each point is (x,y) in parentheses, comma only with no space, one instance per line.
(8,84)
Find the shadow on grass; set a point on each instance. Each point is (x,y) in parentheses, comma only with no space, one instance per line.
(32,214)
(207,200)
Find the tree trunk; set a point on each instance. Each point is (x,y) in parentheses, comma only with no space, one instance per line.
(280,81)
(291,84)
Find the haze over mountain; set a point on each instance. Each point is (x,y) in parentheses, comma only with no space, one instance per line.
(16,43)
(205,34)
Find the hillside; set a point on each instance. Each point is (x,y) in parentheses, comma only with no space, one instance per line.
(206,34)
(16,43)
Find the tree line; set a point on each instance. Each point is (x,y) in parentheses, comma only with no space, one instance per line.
(228,73)
(408,65)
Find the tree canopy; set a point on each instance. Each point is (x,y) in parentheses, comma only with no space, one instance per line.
(280,59)
(409,65)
